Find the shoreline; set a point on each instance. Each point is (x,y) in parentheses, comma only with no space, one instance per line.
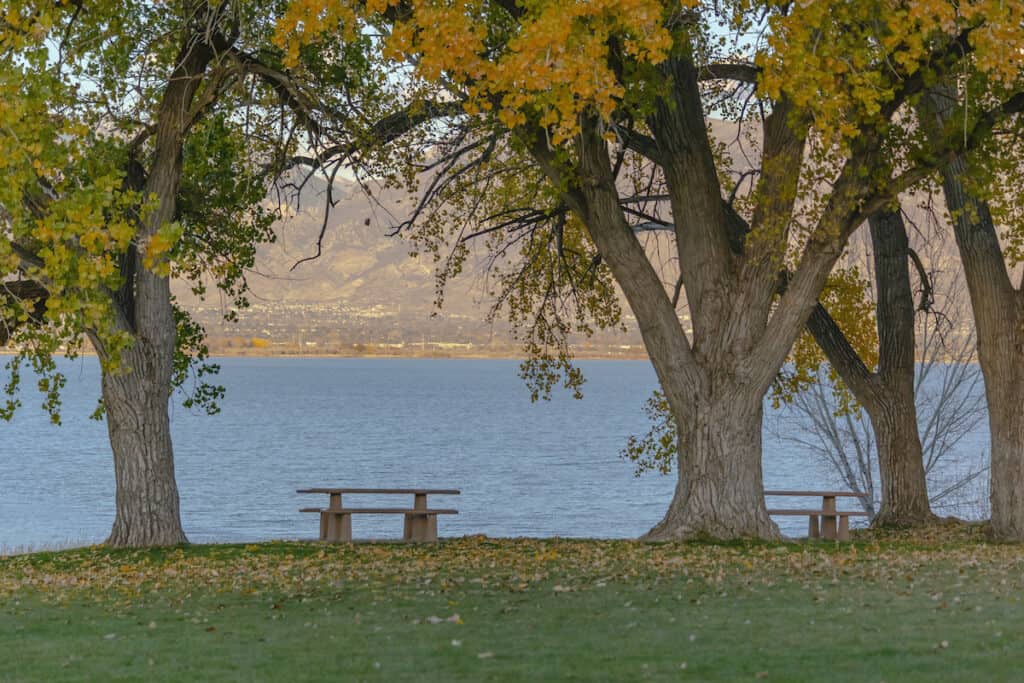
(235,353)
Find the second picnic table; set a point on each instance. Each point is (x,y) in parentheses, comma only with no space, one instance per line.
(420,520)
(828,513)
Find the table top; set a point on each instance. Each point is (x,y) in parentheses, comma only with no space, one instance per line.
(823,494)
(451,492)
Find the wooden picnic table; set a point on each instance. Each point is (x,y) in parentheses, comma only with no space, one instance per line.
(828,514)
(420,520)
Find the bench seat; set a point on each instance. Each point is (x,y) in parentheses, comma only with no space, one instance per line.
(814,528)
(420,523)
(382,511)
(446,492)
(836,513)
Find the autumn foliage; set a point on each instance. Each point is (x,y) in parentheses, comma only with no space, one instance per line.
(606,109)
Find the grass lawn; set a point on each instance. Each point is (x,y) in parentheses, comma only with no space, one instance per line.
(936,608)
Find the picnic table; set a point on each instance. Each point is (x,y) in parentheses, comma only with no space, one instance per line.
(420,520)
(828,514)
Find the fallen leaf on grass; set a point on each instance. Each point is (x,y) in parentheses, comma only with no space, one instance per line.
(299,570)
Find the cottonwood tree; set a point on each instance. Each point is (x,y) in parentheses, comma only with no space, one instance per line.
(831,422)
(947,401)
(887,392)
(138,141)
(944,112)
(575,95)
(981,190)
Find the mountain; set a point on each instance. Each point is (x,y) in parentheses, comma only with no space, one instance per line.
(365,288)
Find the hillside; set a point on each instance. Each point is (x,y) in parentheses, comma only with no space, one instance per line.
(365,289)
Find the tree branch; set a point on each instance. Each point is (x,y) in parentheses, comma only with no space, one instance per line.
(730,71)
(384,131)
(287,90)
(927,290)
(25,291)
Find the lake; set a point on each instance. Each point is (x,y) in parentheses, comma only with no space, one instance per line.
(524,469)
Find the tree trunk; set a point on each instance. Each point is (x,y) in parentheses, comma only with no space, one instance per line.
(893,411)
(719,492)
(137,420)
(887,395)
(136,393)
(1006,423)
(136,396)
(900,463)
(999,321)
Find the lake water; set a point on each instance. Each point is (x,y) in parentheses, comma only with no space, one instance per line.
(524,469)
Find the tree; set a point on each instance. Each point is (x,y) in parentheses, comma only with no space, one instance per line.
(978,188)
(138,141)
(887,394)
(947,407)
(941,109)
(854,336)
(576,96)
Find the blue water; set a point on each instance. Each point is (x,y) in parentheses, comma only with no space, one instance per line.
(524,469)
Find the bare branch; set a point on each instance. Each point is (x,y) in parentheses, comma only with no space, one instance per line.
(731,71)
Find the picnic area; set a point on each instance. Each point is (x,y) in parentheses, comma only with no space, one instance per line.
(310,285)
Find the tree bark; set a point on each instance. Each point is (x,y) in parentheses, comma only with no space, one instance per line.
(999,321)
(893,411)
(900,462)
(1006,424)
(148,511)
(888,394)
(719,493)
(136,393)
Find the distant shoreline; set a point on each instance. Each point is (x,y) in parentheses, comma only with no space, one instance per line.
(236,353)
(428,355)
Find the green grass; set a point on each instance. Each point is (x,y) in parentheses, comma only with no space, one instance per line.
(894,610)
